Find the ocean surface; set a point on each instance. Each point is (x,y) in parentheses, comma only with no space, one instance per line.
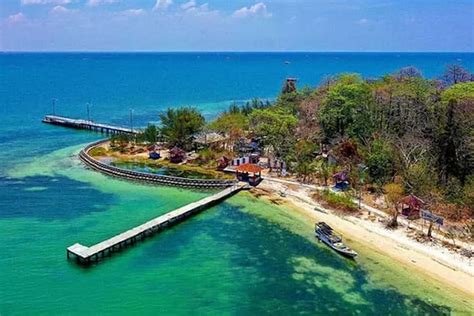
(242,257)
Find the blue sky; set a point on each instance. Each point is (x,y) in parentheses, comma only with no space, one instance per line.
(236,25)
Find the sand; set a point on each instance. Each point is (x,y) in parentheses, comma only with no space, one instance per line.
(430,259)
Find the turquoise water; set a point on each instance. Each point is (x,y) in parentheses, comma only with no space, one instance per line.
(244,256)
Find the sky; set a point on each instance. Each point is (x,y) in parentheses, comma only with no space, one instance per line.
(237,25)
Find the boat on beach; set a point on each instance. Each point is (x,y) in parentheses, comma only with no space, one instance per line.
(326,234)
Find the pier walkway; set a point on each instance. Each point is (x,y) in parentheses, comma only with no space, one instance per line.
(86,124)
(86,255)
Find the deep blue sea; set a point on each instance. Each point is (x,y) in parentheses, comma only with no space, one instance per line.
(243,256)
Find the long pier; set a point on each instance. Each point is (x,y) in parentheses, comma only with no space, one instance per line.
(87,124)
(87,255)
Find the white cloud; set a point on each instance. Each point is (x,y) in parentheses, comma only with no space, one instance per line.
(362,21)
(132,12)
(16,18)
(258,9)
(59,9)
(202,10)
(58,2)
(188,5)
(94,3)
(162,4)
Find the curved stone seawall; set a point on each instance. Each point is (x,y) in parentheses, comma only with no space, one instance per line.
(148,177)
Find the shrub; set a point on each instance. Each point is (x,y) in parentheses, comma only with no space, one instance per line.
(342,202)
(98,151)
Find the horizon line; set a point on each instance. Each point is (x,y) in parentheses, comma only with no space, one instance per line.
(233,51)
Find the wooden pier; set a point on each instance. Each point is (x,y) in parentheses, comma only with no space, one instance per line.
(87,124)
(87,255)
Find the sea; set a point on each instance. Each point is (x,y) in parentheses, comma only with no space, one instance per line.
(244,256)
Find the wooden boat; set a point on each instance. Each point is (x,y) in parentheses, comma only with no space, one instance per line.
(326,234)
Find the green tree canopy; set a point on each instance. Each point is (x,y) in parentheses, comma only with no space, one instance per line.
(149,134)
(276,128)
(346,109)
(459,92)
(380,162)
(178,126)
(229,122)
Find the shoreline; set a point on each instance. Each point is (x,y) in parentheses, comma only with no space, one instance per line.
(433,261)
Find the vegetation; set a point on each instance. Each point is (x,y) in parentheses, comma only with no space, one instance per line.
(149,135)
(393,193)
(411,135)
(98,151)
(179,125)
(342,202)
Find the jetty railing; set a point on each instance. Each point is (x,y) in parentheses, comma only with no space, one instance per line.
(148,177)
(87,124)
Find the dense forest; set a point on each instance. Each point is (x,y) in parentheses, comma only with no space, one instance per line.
(399,134)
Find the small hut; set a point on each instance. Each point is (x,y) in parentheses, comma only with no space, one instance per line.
(154,152)
(249,173)
(154,155)
(177,155)
(211,139)
(342,181)
(246,147)
(411,206)
(222,163)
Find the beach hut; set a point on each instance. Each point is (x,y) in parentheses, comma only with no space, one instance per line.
(177,155)
(411,206)
(342,181)
(154,155)
(222,163)
(246,146)
(250,173)
(211,139)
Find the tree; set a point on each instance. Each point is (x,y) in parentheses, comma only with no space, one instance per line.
(308,118)
(420,179)
(455,148)
(234,124)
(149,135)
(228,122)
(393,194)
(253,104)
(408,72)
(321,168)
(119,142)
(276,128)
(178,126)
(456,74)
(303,155)
(346,109)
(468,193)
(379,162)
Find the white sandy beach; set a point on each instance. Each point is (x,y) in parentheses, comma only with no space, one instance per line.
(431,259)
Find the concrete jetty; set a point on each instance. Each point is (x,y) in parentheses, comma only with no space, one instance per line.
(87,124)
(87,255)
